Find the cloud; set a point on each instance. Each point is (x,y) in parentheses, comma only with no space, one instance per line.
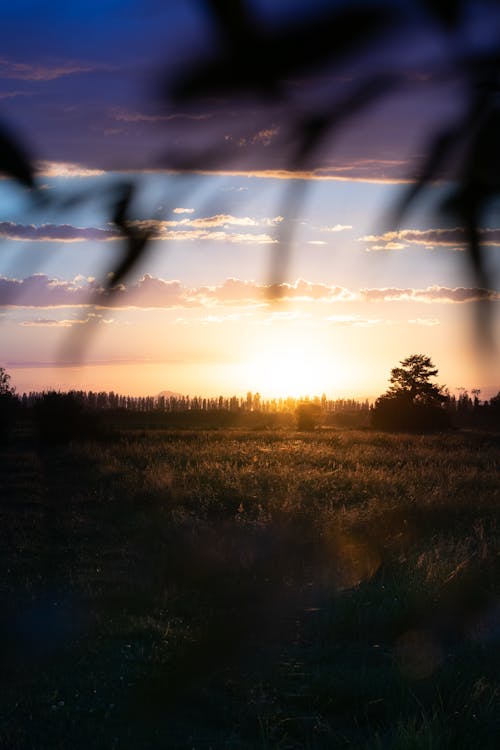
(326,174)
(203,236)
(354,320)
(40,291)
(183,211)
(35,72)
(430,294)
(50,323)
(201,229)
(424,321)
(216,319)
(213,229)
(122,115)
(266,135)
(234,290)
(454,238)
(263,137)
(66,169)
(14,94)
(335,228)
(389,246)
(91,318)
(218,220)
(55,233)
(306,290)
(347,173)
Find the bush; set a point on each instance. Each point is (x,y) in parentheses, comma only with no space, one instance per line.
(399,413)
(307,415)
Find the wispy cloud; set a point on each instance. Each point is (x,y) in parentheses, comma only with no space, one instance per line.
(335,228)
(322,174)
(424,321)
(430,294)
(66,169)
(123,115)
(220,236)
(24,71)
(14,94)
(356,321)
(40,291)
(210,222)
(150,292)
(325,174)
(55,233)
(454,238)
(221,220)
(218,228)
(307,290)
(91,318)
(263,137)
(51,323)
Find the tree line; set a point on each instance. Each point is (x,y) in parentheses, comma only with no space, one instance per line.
(411,402)
(252,402)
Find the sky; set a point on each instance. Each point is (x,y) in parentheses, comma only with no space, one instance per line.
(266,271)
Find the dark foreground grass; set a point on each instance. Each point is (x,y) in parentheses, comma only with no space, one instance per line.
(251,590)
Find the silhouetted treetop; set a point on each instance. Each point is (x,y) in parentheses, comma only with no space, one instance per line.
(412,381)
(412,402)
(5,387)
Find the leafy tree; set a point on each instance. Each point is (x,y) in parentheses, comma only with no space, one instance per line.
(412,402)
(411,381)
(8,403)
(5,387)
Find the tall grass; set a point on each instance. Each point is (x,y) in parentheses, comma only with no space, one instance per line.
(237,590)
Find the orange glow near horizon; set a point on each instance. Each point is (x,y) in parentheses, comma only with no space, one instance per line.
(276,362)
(274,374)
(280,369)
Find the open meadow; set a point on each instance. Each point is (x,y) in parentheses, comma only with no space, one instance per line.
(250,589)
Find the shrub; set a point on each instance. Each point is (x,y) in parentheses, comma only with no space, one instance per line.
(307,415)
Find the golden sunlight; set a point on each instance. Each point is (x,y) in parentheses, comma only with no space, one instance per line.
(294,368)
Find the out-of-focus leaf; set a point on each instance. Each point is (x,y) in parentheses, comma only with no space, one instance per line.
(136,238)
(14,160)
(267,58)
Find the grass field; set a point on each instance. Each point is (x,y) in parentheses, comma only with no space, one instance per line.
(227,589)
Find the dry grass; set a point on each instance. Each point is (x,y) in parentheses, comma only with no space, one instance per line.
(238,590)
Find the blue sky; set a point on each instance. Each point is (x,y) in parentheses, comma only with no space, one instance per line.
(80,83)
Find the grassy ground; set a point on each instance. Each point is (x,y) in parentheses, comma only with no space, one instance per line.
(250,590)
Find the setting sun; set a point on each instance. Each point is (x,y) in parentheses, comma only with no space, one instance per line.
(293,367)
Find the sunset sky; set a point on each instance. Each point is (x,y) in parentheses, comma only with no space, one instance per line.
(83,85)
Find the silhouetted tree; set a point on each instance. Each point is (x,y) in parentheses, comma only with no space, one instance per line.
(5,387)
(308,415)
(412,402)
(8,402)
(412,381)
